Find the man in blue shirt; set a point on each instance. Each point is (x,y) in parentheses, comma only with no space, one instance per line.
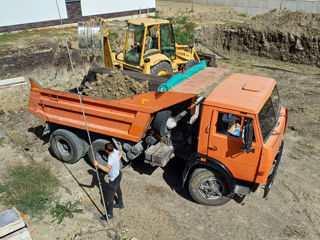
(112,167)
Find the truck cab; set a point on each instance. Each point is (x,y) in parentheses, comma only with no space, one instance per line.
(239,140)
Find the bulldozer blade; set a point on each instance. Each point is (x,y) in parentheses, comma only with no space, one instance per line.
(90,35)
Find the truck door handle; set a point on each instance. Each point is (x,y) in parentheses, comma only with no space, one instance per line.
(207,128)
(214,148)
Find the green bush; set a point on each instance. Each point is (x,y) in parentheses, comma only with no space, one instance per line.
(243,15)
(60,211)
(183,30)
(30,188)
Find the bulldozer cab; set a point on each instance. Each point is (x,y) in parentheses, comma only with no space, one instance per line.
(146,37)
(167,41)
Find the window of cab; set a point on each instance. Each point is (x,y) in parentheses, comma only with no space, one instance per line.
(232,125)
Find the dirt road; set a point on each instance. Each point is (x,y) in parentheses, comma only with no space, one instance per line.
(156,207)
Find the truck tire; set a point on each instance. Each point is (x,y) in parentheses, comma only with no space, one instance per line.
(98,147)
(160,122)
(161,68)
(208,187)
(67,146)
(191,63)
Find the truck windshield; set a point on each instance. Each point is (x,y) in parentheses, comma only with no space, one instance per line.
(269,114)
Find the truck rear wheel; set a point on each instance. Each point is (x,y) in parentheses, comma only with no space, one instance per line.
(160,122)
(98,149)
(161,68)
(208,187)
(67,146)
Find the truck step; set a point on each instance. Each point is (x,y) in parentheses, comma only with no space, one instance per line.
(159,154)
(242,190)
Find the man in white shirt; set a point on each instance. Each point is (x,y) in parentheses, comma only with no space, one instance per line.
(112,167)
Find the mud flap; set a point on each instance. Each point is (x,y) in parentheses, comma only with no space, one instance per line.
(274,172)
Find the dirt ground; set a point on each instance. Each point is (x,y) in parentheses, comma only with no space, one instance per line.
(156,206)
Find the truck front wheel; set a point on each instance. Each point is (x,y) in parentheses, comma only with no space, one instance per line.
(67,146)
(208,187)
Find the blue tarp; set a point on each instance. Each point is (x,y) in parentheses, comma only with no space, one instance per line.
(179,78)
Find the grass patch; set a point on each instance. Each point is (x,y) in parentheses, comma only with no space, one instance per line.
(183,30)
(1,141)
(7,37)
(243,15)
(30,188)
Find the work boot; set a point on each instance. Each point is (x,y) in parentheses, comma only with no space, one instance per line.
(104,217)
(118,205)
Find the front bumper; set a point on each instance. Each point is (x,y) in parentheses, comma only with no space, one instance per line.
(273,174)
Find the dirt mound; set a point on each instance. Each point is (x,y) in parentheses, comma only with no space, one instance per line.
(278,34)
(298,23)
(114,86)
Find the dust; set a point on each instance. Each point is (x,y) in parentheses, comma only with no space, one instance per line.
(114,86)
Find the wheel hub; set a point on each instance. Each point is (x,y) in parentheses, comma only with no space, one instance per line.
(211,188)
(63,147)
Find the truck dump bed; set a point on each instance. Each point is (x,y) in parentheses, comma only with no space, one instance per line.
(126,118)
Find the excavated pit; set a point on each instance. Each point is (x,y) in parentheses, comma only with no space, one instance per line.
(282,35)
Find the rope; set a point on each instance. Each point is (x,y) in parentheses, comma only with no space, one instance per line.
(82,108)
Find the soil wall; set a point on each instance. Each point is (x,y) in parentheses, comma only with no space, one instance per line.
(272,44)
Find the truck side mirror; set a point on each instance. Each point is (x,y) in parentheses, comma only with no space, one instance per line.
(248,135)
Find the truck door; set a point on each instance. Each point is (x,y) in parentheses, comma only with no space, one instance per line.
(225,141)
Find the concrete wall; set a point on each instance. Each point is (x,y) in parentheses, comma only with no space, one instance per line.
(14,12)
(253,7)
(74,15)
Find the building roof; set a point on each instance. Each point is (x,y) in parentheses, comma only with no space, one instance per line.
(242,92)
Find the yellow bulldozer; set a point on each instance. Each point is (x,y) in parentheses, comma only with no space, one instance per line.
(150,46)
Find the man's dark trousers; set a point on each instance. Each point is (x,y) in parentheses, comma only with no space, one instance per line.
(114,187)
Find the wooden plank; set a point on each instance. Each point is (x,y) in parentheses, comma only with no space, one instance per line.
(12,81)
(10,221)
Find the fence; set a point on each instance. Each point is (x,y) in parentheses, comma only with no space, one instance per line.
(253,7)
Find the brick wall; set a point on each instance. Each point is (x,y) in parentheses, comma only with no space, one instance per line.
(74,16)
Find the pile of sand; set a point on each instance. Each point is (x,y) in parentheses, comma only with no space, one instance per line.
(114,86)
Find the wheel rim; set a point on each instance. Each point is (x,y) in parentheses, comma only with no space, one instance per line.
(162,72)
(64,148)
(101,156)
(211,188)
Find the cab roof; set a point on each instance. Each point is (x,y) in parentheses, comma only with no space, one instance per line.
(242,92)
(147,21)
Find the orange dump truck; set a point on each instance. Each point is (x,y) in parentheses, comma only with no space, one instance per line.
(228,128)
